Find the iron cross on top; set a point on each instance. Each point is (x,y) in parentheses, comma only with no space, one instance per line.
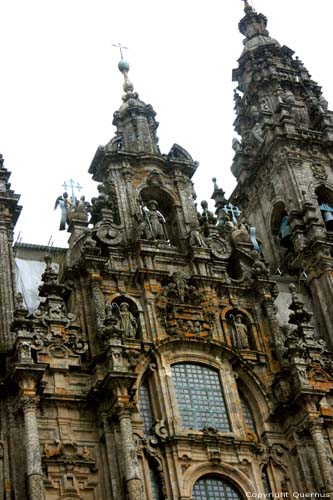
(233,211)
(72,185)
(120,47)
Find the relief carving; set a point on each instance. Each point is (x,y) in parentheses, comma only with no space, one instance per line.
(182,308)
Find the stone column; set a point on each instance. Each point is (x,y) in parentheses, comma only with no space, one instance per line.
(99,303)
(322,454)
(132,475)
(33,458)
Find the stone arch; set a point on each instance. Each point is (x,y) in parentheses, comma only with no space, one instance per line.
(325,202)
(280,225)
(276,216)
(72,496)
(225,471)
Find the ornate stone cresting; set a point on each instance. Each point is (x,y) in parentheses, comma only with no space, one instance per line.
(50,334)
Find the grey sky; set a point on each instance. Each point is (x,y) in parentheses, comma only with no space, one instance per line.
(60,84)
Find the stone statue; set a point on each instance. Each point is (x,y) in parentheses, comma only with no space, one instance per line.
(207,216)
(181,285)
(196,238)
(241,334)
(236,145)
(24,352)
(155,222)
(127,322)
(79,211)
(65,203)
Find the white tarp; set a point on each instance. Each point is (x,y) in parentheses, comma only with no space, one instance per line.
(28,279)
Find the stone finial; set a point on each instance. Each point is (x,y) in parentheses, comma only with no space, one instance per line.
(247,7)
(218,195)
(124,67)
(252,24)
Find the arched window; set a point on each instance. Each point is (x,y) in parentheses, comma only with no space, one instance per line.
(200,397)
(265,480)
(247,414)
(325,201)
(214,488)
(280,225)
(145,408)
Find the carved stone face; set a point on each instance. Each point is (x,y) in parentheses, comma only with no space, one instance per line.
(124,306)
(152,205)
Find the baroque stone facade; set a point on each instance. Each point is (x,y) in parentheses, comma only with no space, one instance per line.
(175,353)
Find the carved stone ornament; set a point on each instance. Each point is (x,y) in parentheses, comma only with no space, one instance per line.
(108,233)
(182,308)
(154,178)
(69,453)
(319,171)
(220,248)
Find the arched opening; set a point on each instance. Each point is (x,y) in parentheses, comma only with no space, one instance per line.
(265,480)
(325,202)
(159,215)
(213,487)
(241,330)
(280,225)
(124,315)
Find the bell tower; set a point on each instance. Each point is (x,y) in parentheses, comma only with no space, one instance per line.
(283,161)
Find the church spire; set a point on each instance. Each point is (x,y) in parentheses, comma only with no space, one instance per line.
(135,121)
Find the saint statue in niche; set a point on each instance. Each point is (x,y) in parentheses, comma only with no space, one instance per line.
(127,322)
(240,332)
(155,222)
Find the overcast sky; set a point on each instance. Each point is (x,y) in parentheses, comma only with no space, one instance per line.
(60,85)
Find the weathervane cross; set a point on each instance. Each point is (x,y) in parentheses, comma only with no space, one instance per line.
(120,47)
(233,211)
(72,185)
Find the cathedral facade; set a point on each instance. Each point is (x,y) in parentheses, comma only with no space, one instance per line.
(174,353)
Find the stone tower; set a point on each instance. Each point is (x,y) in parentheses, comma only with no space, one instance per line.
(283,163)
(159,364)
(9,213)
